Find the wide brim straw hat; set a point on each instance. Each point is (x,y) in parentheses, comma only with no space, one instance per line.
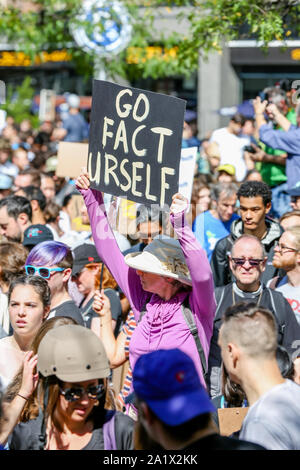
(164,257)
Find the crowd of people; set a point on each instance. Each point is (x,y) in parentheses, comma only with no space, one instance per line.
(198,310)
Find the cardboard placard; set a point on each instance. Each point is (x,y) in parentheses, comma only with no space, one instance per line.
(187,170)
(231,419)
(71,158)
(135,143)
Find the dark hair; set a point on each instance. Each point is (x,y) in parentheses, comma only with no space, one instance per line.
(51,211)
(238,118)
(285,363)
(12,259)
(35,194)
(35,176)
(39,284)
(254,189)
(16,205)
(233,392)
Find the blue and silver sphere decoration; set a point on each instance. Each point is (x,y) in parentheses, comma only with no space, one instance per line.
(114,33)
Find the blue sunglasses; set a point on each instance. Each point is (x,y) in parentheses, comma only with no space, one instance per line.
(42,272)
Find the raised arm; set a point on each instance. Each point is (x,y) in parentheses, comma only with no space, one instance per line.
(107,246)
(202,299)
(13,410)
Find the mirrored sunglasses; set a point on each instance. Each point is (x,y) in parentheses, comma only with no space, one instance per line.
(76,393)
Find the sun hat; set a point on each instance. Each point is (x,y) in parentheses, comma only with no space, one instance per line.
(163,256)
(72,353)
(82,255)
(227,168)
(168,382)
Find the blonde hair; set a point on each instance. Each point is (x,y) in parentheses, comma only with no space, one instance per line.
(295,231)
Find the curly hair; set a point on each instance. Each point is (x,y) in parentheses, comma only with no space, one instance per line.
(254,189)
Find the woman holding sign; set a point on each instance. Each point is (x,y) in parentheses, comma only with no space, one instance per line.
(169,285)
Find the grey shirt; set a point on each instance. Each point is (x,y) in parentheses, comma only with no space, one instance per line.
(274,420)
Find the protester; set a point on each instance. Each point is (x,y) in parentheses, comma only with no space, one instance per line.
(294,193)
(53,261)
(247,263)
(154,282)
(5,185)
(200,199)
(29,305)
(28,177)
(214,224)
(74,125)
(37,202)
(253,175)
(290,219)
(248,341)
(173,406)
(231,145)
(73,408)
(149,225)
(254,204)
(15,217)
(86,273)
(12,260)
(47,186)
(226,173)
(287,258)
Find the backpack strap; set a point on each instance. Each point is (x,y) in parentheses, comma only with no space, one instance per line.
(109,434)
(190,320)
(279,310)
(274,282)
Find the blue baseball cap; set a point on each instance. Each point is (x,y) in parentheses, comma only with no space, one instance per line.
(168,382)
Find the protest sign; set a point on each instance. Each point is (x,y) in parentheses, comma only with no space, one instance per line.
(135,143)
(71,158)
(187,170)
(231,419)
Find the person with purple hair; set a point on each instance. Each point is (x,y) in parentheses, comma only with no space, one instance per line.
(53,261)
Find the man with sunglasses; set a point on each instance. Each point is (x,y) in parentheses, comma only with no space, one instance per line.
(254,205)
(247,262)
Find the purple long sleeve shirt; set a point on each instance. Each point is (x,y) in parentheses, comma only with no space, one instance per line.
(163,326)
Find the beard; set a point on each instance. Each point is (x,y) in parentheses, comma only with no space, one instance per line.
(281,263)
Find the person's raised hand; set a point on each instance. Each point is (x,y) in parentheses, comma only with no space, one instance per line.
(259,106)
(179,204)
(83,180)
(101,305)
(30,376)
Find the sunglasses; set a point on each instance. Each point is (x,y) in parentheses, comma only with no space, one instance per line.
(94,392)
(252,261)
(42,272)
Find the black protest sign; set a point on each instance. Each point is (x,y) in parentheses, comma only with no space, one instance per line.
(135,143)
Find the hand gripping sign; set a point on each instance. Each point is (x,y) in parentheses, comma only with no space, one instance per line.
(135,143)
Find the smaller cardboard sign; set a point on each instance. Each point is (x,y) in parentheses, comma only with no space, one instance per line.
(231,419)
(71,158)
(187,170)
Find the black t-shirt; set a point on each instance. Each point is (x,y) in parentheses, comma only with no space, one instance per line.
(25,436)
(217,442)
(68,309)
(115,305)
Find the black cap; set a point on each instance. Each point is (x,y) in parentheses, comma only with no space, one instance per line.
(83,255)
(36,234)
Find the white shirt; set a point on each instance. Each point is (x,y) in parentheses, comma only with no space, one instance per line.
(231,150)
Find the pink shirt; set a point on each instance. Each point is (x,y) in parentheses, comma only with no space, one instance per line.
(163,326)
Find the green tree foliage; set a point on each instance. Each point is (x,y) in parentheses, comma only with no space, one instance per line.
(211,24)
(19,101)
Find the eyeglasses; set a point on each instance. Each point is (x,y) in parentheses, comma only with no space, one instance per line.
(94,392)
(42,271)
(284,249)
(252,261)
